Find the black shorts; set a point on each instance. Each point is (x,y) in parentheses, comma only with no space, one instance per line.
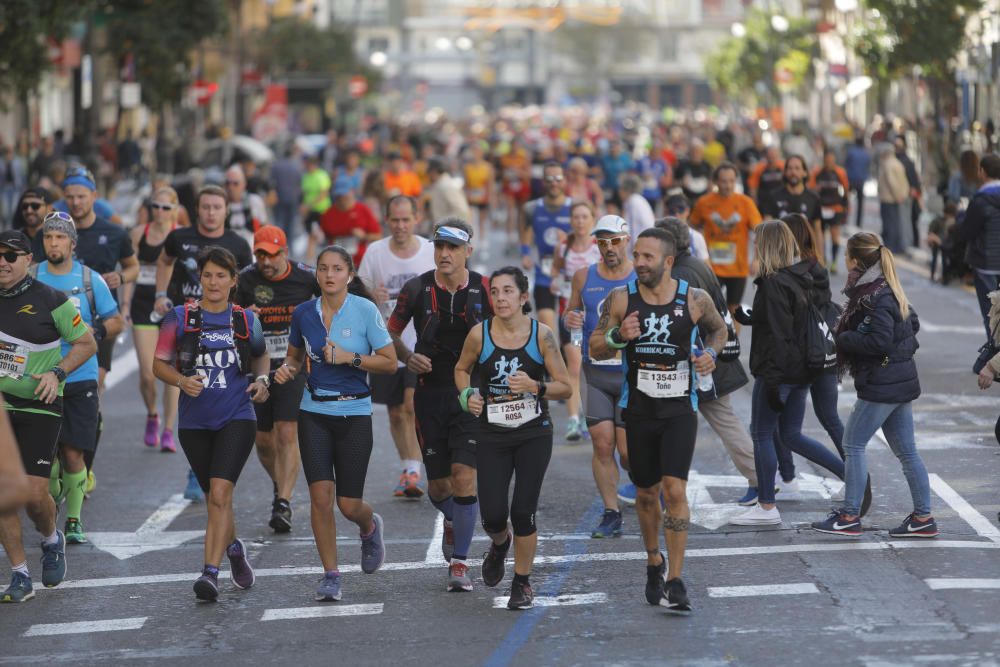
(519,454)
(735,287)
(81,405)
(36,434)
(388,390)
(336,449)
(659,448)
(604,390)
(446,433)
(282,405)
(839,218)
(142,306)
(105,350)
(544,298)
(221,453)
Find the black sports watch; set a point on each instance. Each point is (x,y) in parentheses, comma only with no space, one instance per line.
(59,373)
(357,360)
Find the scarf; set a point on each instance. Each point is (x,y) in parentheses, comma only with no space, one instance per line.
(18,289)
(861,288)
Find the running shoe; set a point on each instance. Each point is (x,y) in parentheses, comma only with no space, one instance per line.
(167,443)
(626,494)
(74,532)
(373,547)
(281,516)
(493,562)
(749,498)
(206,587)
(458,577)
(866,502)
(448,541)
(675,598)
(20,589)
(786,489)
(152,426)
(610,526)
(91,484)
(757,516)
(838,524)
(193,490)
(914,527)
(329,588)
(239,565)
(54,561)
(654,581)
(400,490)
(573,429)
(521,596)
(413,490)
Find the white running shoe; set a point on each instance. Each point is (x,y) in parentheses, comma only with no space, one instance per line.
(757,516)
(786,489)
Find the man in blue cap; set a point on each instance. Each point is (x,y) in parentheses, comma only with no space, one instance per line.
(348,223)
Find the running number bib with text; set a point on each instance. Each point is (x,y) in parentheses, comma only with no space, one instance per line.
(13,360)
(511,412)
(670,381)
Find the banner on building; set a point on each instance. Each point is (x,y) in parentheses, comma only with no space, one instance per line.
(270,121)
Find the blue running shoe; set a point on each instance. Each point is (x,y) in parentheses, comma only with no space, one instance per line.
(373,548)
(610,526)
(329,588)
(20,589)
(206,587)
(749,498)
(54,561)
(838,524)
(193,491)
(626,494)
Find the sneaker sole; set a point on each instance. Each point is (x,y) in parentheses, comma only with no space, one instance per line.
(327,598)
(168,450)
(521,607)
(206,591)
(9,600)
(841,533)
(459,588)
(755,523)
(674,611)
(379,526)
(76,540)
(746,503)
(904,536)
(626,501)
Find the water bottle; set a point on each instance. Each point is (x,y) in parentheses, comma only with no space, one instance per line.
(576,336)
(705,382)
(155,317)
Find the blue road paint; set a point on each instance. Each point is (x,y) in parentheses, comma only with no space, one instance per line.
(519,634)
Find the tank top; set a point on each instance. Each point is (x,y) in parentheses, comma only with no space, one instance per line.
(658,373)
(506,410)
(148,255)
(476,176)
(546,224)
(595,291)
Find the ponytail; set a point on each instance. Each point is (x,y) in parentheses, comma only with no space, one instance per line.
(867,249)
(892,279)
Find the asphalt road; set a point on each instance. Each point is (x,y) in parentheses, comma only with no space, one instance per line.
(772,596)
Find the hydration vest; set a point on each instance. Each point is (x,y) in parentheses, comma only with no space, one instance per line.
(189,339)
(426,336)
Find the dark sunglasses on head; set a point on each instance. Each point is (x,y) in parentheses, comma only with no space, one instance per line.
(11,256)
(31,205)
(161,207)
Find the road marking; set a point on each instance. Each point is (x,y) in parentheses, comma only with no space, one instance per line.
(434,555)
(558,601)
(151,535)
(325,611)
(825,487)
(122,367)
(956,584)
(755,591)
(85,627)
(967,512)
(930,327)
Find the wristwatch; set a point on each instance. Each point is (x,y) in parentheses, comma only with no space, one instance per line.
(357,360)
(264,380)
(59,373)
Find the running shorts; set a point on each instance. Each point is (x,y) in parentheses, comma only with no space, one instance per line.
(446,433)
(604,390)
(282,405)
(221,453)
(36,434)
(81,407)
(336,449)
(389,390)
(659,448)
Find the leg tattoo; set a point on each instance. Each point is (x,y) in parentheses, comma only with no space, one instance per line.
(675,524)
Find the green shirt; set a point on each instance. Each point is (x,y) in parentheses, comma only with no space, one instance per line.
(314,183)
(32,325)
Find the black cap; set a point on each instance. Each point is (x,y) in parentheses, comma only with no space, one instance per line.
(16,240)
(40,193)
(676,204)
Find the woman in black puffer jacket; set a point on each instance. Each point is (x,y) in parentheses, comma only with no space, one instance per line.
(876,341)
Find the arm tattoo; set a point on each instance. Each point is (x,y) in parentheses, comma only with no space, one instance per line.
(675,524)
(605,319)
(549,341)
(710,322)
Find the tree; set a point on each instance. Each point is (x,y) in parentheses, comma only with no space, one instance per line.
(290,45)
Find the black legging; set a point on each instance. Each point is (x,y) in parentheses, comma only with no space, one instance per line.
(500,456)
(336,449)
(221,453)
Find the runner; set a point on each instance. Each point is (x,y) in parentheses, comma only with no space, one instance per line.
(348,223)
(444,305)
(766,175)
(345,337)
(272,288)
(34,318)
(546,224)
(35,204)
(515,175)
(591,286)
(246,210)
(830,182)
(480,187)
(794,197)
(138,303)
(210,348)
(656,320)
(514,355)
(389,264)
(90,295)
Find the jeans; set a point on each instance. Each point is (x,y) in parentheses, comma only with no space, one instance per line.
(986,283)
(285,216)
(859,192)
(730,429)
(824,394)
(892,232)
(896,420)
(765,423)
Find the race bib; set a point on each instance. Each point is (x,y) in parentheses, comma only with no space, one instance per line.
(546,265)
(477,194)
(147,275)
(13,360)
(720,252)
(277,345)
(696,183)
(827,213)
(613,361)
(511,413)
(668,383)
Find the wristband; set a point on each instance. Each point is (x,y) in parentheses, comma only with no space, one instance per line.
(525,249)
(59,373)
(710,351)
(264,380)
(542,388)
(609,338)
(160,295)
(463,398)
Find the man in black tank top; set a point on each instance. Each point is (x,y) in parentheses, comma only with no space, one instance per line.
(656,320)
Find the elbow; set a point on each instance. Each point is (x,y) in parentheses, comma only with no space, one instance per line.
(559,390)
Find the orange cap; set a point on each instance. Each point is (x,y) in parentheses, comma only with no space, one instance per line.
(270,239)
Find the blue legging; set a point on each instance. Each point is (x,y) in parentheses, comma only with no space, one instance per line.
(824,394)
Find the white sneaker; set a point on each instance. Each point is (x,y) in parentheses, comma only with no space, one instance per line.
(786,489)
(757,516)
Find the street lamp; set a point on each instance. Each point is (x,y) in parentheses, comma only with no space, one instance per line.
(463,43)
(738,30)
(378,59)
(779,23)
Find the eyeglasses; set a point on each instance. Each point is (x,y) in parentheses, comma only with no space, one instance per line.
(59,215)
(11,256)
(261,254)
(31,205)
(553,179)
(613,241)
(161,207)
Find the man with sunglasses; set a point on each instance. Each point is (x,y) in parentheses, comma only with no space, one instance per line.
(34,320)
(546,225)
(35,204)
(591,287)
(247,211)
(272,288)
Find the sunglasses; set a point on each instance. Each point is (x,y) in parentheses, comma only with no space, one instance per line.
(613,241)
(31,205)
(261,254)
(161,207)
(11,256)
(59,215)
(553,179)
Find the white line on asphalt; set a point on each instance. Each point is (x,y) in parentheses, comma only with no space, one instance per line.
(953,584)
(546,560)
(434,555)
(558,601)
(967,512)
(755,591)
(161,519)
(122,367)
(151,535)
(85,627)
(294,613)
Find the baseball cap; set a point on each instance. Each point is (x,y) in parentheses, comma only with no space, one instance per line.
(676,204)
(342,186)
(452,235)
(271,239)
(615,224)
(16,240)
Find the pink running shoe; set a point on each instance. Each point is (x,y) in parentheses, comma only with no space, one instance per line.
(167,441)
(152,426)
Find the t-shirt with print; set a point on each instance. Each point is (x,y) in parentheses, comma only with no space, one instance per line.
(783,202)
(726,223)
(71,284)
(184,245)
(225,397)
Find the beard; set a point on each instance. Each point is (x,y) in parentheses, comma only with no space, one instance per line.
(56,259)
(650,277)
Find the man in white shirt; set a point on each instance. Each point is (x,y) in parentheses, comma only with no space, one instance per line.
(387,265)
(447,198)
(635,208)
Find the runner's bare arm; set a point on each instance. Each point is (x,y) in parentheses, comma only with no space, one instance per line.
(713,328)
(291,366)
(164,271)
(466,362)
(558,388)
(574,308)
(612,314)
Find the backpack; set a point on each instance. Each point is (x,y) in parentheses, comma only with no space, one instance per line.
(427,335)
(820,348)
(88,288)
(189,346)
